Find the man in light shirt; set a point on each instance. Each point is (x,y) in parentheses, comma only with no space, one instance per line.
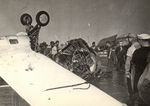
(135,45)
(53,49)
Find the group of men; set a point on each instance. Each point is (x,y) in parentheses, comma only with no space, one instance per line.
(116,56)
(133,59)
(51,50)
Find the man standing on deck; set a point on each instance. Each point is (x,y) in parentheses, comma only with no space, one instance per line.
(121,56)
(109,57)
(135,45)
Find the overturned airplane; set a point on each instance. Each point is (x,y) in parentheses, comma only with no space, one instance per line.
(41,81)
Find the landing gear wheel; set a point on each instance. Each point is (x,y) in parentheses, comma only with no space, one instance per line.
(26,19)
(42,18)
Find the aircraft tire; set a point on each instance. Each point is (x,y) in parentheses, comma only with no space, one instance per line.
(42,18)
(24,17)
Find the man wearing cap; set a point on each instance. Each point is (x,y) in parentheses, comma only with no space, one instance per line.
(139,60)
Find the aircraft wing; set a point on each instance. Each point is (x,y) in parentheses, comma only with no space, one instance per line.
(41,81)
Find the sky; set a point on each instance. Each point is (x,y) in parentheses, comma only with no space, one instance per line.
(91,20)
